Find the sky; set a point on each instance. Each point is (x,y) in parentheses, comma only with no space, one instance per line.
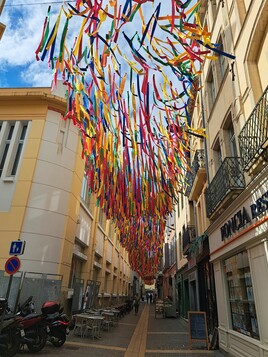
(24,21)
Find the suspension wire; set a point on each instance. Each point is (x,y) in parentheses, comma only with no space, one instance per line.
(38,3)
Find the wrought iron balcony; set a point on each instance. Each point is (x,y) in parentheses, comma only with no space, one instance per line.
(197,163)
(253,138)
(188,236)
(228,181)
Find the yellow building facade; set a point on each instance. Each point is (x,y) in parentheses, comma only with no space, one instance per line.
(45,202)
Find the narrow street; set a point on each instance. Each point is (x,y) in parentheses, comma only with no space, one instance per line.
(135,336)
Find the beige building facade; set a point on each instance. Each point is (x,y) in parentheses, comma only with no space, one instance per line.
(45,201)
(231,195)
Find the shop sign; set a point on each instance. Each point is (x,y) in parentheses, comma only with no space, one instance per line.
(242,217)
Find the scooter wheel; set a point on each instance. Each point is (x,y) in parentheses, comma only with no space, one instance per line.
(41,340)
(58,337)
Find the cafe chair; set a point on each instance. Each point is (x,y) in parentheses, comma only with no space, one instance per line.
(107,322)
(115,317)
(79,325)
(91,329)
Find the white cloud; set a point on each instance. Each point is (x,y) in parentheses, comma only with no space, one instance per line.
(23,32)
(37,74)
(22,35)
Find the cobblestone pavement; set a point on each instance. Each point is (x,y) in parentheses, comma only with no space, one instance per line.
(135,336)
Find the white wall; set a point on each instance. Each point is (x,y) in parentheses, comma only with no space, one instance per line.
(44,223)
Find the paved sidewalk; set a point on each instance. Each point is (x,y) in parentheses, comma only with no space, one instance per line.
(135,336)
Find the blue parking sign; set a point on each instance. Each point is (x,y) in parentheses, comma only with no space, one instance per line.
(17,247)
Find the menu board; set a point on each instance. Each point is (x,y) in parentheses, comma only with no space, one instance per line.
(197,327)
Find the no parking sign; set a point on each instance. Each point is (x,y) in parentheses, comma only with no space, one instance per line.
(12,265)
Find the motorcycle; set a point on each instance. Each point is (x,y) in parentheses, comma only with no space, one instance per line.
(34,326)
(11,332)
(57,323)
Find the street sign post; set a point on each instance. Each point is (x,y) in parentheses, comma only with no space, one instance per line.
(12,265)
(17,247)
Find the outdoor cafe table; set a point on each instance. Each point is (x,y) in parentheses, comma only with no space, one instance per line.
(97,319)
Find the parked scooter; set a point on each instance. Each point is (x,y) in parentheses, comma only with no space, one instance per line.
(57,323)
(11,332)
(34,326)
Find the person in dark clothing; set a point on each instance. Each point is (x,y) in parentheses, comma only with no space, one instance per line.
(147,298)
(151,298)
(136,304)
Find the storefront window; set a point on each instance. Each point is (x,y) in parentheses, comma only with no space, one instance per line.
(241,296)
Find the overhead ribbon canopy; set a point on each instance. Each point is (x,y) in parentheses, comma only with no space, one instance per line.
(129,77)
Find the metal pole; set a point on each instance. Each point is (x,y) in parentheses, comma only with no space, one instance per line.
(7,295)
(2,320)
(19,293)
(9,286)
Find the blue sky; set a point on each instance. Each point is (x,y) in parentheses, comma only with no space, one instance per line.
(24,21)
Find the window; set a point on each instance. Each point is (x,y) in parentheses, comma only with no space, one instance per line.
(64,126)
(75,272)
(18,151)
(180,246)
(102,218)
(211,89)
(241,295)
(217,156)
(85,193)
(111,230)
(12,138)
(229,137)
(221,62)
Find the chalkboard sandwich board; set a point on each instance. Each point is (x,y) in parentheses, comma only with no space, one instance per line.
(197,323)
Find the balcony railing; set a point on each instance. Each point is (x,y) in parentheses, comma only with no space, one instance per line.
(188,236)
(253,138)
(228,180)
(197,163)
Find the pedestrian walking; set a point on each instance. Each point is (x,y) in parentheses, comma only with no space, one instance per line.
(136,304)
(151,298)
(147,298)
